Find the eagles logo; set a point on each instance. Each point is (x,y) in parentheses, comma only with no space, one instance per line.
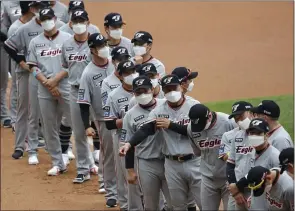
(45,11)
(147,68)
(139,82)
(127,64)
(235,107)
(78,13)
(99,37)
(138,35)
(167,80)
(116,17)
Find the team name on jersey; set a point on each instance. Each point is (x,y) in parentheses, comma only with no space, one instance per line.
(243,150)
(40,45)
(114,86)
(121,100)
(33,34)
(239,139)
(78,58)
(97,76)
(273,202)
(136,119)
(209,143)
(50,52)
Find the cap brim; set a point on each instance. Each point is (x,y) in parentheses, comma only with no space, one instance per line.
(255,110)
(172,84)
(141,41)
(192,75)
(121,56)
(142,87)
(200,126)
(79,18)
(256,128)
(117,24)
(258,192)
(235,113)
(45,17)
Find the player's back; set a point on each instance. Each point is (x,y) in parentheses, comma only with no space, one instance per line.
(280,139)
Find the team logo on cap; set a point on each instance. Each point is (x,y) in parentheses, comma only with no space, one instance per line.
(195,121)
(256,122)
(121,50)
(235,107)
(139,82)
(116,18)
(45,11)
(138,35)
(76,3)
(78,13)
(147,68)
(167,80)
(99,37)
(127,64)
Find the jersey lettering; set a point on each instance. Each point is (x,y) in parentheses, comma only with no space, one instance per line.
(97,76)
(184,122)
(243,150)
(163,116)
(121,100)
(273,202)
(123,134)
(114,86)
(209,143)
(138,118)
(31,34)
(40,45)
(239,140)
(78,58)
(51,52)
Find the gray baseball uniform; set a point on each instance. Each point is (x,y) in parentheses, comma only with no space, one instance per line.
(150,163)
(159,65)
(46,55)
(213,169)
(91,29)
(280,139)
(183,178)
(11,12)
(20,41)
(125,42)
(226,140)
(115,108)
(61,11)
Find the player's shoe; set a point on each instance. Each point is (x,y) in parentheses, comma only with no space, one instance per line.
(71,154)
(94,169)
(33,160)
(7,123)
(96,156)
(55,171)
(65,159)
(101,189)
(111,203)
(17,154)
(41,143)
(80,178)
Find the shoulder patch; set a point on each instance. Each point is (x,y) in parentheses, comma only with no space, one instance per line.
(81,93)
(106,111)
(138,118)
(123,135)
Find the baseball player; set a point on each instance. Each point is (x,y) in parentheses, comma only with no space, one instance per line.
(113,26)
(150,163)
(60,10)
(114,111)
(181,161)
(186,77)
(79,26)
(250,148)
(277,136)
(45,60)
(142,46)
(73,5)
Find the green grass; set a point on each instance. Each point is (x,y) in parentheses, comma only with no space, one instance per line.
(286,104)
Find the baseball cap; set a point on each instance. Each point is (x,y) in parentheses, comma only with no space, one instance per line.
(169,80)
(198,115)
(39,3)
(258,124)
(147,68)
(184,73)
(119,53)
(267,107)
(142,37)
(79,14)
(256,179)
(124,66)
(141,82)
(96,39)
(113,19)
(24,6)
(75,4)
(46,13)
(286,156)
(239,108)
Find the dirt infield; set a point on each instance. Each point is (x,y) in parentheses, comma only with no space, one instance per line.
(240,49)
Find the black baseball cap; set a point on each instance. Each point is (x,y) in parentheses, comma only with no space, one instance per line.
(79,14)
(46,13)
(286,156)
(141,82)
(39,3)
(24,6)
(76,4)
(142,37)
(124,66)
(198,115)
(96,39)
(147,68)
(258,124)
(119,53)
(184,73)
(267,107)
(239,108)
(256,179)
(113,19)
(169,80)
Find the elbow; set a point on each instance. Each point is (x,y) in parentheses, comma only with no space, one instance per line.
(111,124)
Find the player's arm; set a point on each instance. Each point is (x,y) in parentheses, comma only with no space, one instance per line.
(112,122)
(161,70)
(230,166)
(224,148)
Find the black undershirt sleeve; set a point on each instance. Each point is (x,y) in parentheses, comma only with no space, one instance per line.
(230,171)
(241,184)
(3,37)
(181,129)
(141,134)
(129,158)
(13,54)
(111,124)
(84,110)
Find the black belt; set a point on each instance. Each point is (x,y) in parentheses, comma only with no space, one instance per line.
(76,86)
(180,158)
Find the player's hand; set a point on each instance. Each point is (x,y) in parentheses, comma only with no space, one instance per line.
(240,199)
(162,123)
(132,176)
(124,149)
(55,92)
(50,83)
(90,132)
(138,60)
(24,66)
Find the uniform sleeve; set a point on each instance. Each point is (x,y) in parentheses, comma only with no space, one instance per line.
(16,40)
(127,130)
(5,20)
(161,70)
(32,55)
(224,147)
(110,109)
(85,90)
(132,103)
(104,92)
(232,153)
(275,160)
(281,143)
(96,29)
(65,64)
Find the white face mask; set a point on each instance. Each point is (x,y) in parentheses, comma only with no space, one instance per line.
(244,125)
(207,125)
(116,34)
(139,50)
(155,82)
(79,28)
(255,141)
(190,86)
(48,25)
(104,52)
(129,79)
(144,99)
(173,96)
(267,188)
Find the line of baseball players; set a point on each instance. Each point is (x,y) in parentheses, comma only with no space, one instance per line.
(178,153)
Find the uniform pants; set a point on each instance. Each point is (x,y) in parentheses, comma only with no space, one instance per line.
(13,93)
(184,182)
(4,65)
(151,174)
(232,205)
(213,191)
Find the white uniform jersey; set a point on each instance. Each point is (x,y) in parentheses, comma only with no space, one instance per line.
(91,29)
(109,84)
(61,11)
(125,42)
(280,139)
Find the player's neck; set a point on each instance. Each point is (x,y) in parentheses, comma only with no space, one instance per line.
(81,37)
(177,104)
(273,125)
(127,87)
(114,42)
(261,148)
(50,33)
(99,61)
(146,57)
(157,90)
(26,18)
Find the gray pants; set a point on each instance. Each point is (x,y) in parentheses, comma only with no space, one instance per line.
(153,184)
(120,173)
(13,93)
(232,205)
(4,65)
(83,160)
(184,182)
(106,161)
(21,123)
(213,191)
(52,110)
